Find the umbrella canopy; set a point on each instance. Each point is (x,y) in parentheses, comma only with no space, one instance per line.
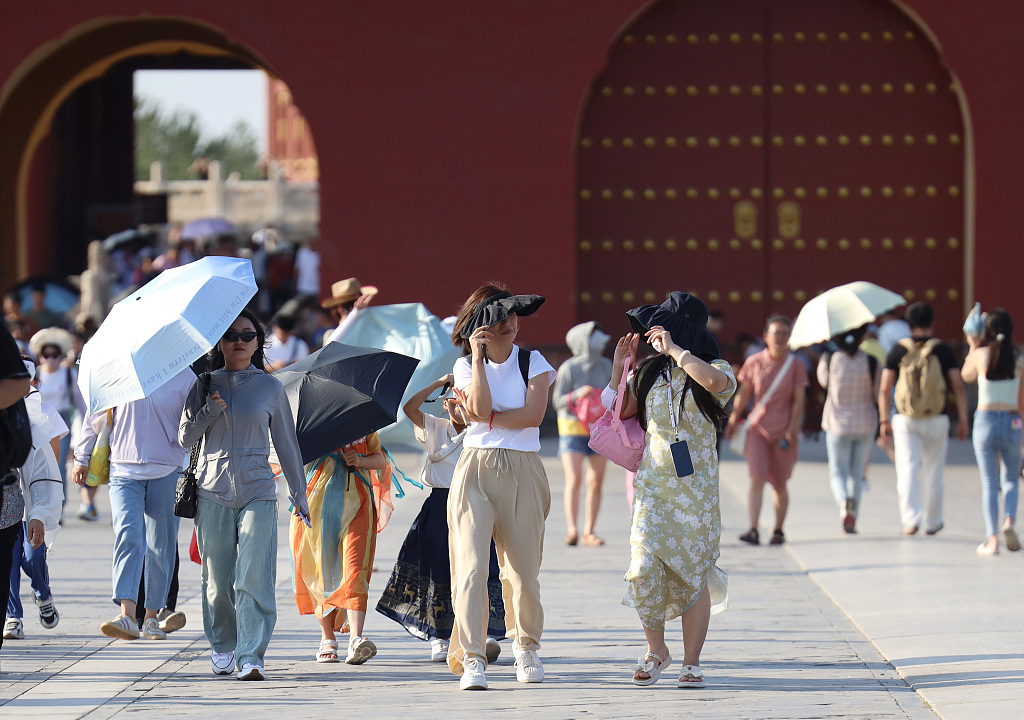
(408,329)
(841,309)
(342,392)
(206,227)
(60,295)
(127,237)
(161,328)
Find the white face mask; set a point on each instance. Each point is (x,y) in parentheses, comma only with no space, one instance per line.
(598,342)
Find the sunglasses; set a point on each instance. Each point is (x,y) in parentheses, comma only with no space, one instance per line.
(50,356)
(245,336)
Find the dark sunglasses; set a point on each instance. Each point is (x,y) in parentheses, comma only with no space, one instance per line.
(50,356)
(245,336)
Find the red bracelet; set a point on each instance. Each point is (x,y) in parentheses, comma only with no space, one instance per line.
(490,425)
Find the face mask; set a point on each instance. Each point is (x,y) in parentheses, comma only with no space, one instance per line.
(598,341)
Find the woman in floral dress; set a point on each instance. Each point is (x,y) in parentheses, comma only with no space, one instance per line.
(678,395)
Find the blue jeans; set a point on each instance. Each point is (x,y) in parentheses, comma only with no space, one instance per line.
(997,447)
(847,460)
(145,535)
(33,562)
(239,549)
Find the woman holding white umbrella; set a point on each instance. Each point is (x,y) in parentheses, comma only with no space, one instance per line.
(850,418)
(236,520)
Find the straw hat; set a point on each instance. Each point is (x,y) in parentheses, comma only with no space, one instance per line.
(50,336)
(347,290)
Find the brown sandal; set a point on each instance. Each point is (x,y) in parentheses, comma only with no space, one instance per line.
(592,540)
(572,538)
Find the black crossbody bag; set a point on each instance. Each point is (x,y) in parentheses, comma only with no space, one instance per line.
(186,494)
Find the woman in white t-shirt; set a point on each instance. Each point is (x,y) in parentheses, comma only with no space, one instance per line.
(499,487)
(418,596)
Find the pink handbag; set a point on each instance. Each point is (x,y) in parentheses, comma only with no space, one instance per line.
(620,441)
(588,409)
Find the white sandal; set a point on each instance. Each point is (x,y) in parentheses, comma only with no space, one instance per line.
(691,671)
(651,668)
(328,651)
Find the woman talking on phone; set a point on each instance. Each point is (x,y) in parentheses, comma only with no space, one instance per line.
(679,396)
(236,521)
(499,487)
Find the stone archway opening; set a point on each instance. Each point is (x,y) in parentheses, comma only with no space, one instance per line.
(87,69)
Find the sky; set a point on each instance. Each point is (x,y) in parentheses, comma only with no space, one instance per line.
(219,97)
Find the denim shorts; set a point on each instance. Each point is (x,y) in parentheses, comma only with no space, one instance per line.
(574,443)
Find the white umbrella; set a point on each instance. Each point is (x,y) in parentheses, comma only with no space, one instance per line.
(840,309)
(162,328)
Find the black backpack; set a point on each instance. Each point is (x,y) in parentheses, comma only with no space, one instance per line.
(15,436)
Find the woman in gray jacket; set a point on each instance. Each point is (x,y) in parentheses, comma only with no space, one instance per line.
(236,521)
(580,377)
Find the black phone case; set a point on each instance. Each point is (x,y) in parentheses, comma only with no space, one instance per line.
(681,458)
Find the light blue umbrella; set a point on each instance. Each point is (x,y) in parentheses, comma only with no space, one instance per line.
(162,328)
(408,329)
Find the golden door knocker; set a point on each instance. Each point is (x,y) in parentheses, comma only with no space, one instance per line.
(789,219)
(744,215)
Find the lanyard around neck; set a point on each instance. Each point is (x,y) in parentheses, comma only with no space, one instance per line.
(672,408)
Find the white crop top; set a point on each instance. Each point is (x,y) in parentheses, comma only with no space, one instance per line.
(997,392)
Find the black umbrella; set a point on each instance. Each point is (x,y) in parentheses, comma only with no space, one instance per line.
(341,393)
(128,237)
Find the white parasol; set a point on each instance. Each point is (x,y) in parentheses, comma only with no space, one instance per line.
(162,328)
(841,309)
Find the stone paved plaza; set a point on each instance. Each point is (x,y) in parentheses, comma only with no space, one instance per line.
(827,626)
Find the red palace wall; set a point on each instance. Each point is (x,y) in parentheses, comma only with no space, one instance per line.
(446,131)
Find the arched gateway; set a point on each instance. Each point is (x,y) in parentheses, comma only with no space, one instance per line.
(33,94)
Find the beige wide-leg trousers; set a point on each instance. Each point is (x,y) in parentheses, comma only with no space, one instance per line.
(502,494)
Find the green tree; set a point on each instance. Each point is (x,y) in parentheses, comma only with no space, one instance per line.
(170,138)
(175,139)
(237,150)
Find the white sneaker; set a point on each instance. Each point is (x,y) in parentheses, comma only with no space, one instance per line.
(151,630)
(222,663)
(528,667)
(360,649)
(473,677)
(48,615)
(492,649)
(438,650)
(170,620)
(251,672)
(122,627)
(14,629)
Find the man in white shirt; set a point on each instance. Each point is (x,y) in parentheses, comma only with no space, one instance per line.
(307,270)
(285,348)
(348,297)
(891,330)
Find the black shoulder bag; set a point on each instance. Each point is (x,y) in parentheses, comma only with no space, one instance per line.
(186,494)
(15,440)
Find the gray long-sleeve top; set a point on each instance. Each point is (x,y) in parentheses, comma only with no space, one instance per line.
(586,367)
(233,468)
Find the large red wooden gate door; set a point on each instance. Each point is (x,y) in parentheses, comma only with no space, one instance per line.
(756,152)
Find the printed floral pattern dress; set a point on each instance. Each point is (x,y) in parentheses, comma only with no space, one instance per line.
(677,522)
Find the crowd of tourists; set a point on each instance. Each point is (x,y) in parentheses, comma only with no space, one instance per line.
(467,576)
